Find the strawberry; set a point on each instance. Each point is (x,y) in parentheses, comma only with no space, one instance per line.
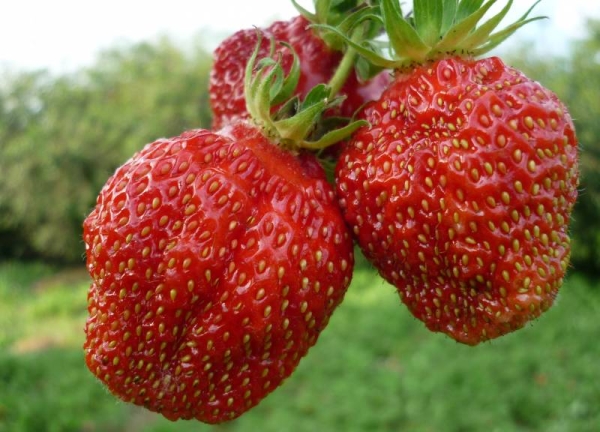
(460,191)
(217,258)
(318,63)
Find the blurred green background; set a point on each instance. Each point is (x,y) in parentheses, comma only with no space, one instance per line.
(375,368)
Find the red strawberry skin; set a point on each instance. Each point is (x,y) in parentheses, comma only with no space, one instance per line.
(318,63)
(460,192)
(216,260)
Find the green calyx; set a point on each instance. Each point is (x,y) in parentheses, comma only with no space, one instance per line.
(297,124)
(437,29)
(340,14)
(356,19)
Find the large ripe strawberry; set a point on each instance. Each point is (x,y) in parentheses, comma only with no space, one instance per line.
(460,191)
(318,63)
(217,259)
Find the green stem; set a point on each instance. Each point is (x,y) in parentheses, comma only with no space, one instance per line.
(345,67)
(341,74)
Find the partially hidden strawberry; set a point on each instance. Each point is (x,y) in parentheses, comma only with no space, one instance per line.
(217,258)
(318,63)
(460,191)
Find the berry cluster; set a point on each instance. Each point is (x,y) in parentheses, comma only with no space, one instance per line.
(218,256)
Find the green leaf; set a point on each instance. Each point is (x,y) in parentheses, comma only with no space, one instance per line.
(290,82)
(343,6)
(404,39)
(460,31)
(481,34)
(335,136)
(322,8)
(348,26)
(288,109)
(263,85)
(277,76)
(429,16)
(250,83)
(467,7)
(524,17)
(356,18)
(316,95)
(296,128)
(362,50)
(499,37)
(449,15)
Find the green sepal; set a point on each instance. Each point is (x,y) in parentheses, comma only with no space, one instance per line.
(448,16)
(428,19)
(296,128)
(329,123)
(289,82)
(460,31)
(282,86)
(348,25)
(266,83)
(256,91)
(327,11)
(436,28)
(304,12)
(297,124)
(335,136)
(404,38)
(363,49)
(317,95)
(482,33)
(467,8)
(337,13)
(497,38)
(322,8)
(288,109)
(306,129)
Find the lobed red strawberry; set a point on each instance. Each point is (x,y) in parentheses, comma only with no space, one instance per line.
(318,63)
(460,192)
(217,259)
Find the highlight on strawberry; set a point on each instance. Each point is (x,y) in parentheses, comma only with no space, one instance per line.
(460,189)
(217,258)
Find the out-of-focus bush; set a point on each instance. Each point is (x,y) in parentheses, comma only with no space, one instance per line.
(62,137)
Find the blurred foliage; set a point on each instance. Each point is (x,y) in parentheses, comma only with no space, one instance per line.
(61,137)
(375,368)
(576,80)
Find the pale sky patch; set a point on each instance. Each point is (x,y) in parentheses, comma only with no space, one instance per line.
(63,35)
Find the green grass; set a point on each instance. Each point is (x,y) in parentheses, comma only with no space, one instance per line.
(375,368)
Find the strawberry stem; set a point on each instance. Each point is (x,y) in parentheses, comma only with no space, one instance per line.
(345,67)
